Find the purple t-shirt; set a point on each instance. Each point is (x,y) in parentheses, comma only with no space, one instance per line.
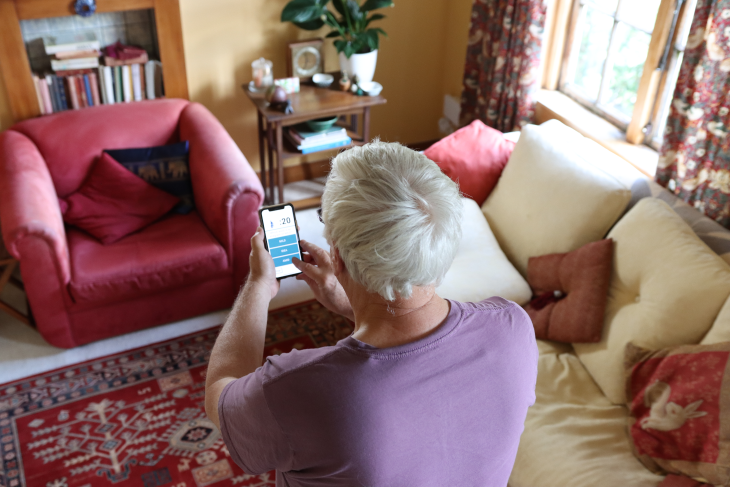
(447,409)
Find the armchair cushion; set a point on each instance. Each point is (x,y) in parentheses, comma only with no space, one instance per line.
(164,167)
(173,252)
(112,202)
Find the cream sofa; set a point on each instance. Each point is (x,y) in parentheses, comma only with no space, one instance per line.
(671,279)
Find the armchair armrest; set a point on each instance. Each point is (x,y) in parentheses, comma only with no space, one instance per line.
(28,202)
(227,190)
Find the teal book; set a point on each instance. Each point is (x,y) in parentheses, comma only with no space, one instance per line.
(118,96)
(333,145)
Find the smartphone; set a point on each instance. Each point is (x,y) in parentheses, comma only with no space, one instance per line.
(281,237)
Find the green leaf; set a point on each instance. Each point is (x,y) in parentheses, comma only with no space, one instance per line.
(301,11)
(339,6)
(334,33)
(340,45)
(373,18)
(315,24)
(354,9)
(379,30)
(349,50)
(375,4)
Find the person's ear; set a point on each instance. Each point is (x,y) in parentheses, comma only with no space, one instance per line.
(338,265)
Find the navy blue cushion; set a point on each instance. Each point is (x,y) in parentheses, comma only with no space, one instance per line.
(165,167)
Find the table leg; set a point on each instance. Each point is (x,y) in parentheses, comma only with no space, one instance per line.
(366,124)
(279,161)
(270,152)
(262,156)
(353,122)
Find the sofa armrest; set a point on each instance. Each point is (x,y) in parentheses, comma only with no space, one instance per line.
(220,174)
(28,202)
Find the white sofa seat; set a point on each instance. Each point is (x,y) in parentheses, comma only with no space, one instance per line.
(481,269)
(573,435)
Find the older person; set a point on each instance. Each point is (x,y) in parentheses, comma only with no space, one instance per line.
(426,391)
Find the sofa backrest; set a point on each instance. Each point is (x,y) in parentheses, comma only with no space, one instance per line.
(71,141)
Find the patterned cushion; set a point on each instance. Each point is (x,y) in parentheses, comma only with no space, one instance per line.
(165,167)
(677,416)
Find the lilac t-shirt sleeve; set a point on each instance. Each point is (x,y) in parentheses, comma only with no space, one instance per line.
(252,434)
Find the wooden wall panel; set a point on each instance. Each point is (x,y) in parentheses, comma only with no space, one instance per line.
(15,65)
(172,53)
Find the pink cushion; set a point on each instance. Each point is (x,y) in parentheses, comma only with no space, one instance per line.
(473,156)
(174,252)
(113,202)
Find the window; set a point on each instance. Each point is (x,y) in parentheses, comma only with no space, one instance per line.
(609,44)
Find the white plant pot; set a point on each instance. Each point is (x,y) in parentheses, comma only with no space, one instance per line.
(360,65)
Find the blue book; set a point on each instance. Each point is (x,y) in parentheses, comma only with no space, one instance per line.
(58,83)
(332,145)
(87,87)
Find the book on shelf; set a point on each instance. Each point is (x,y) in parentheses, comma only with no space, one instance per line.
(328,145)
(136,82)
(94,82)
(303,139)
(76,54)
(141,59)
(76,63)
(127,83)
(75,41)
(153,79)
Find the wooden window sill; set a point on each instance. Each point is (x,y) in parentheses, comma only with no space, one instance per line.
(555,105)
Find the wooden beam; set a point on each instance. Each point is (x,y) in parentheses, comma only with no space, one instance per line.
(40,9)
(556,30)
(649,83)
(15,65)
(172,52)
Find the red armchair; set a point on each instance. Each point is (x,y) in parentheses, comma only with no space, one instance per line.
(181,266)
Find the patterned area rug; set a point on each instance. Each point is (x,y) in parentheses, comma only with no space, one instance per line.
(137,418)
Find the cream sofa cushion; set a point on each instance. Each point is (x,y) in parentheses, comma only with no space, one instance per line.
(573,435)
(666,289)
(720,329)
(480,269)
(549,199)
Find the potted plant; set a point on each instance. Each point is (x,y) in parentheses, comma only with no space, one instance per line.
(357,42)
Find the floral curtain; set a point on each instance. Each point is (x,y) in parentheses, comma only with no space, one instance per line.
(694,161)
(502,62)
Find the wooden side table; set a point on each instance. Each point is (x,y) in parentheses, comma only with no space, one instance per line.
(7,266)
(310,103)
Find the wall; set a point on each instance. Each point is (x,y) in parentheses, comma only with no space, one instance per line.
(420,61)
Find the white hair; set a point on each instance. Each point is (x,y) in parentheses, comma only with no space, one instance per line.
(394,217)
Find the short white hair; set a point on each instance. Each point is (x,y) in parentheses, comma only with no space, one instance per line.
(394,217)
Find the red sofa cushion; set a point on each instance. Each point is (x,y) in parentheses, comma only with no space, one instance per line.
(474,157)
(582,278)
(112,202)
(176,251)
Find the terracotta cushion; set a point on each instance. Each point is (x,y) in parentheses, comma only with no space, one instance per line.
(473,157)
(112,202)
(678,405)
(582,278)
(174,252)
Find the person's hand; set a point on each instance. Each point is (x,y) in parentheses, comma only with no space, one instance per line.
(262,271)
(319,274)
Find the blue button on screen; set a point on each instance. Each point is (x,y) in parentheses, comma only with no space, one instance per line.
(286,260)
(285,250)
(285,240)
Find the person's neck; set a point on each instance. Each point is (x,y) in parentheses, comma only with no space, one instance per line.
(385,324)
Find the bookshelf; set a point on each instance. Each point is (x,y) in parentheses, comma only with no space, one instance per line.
(15,65)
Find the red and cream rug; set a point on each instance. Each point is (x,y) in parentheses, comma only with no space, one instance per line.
(137,418)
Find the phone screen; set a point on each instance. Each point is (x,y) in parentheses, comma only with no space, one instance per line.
(282,238)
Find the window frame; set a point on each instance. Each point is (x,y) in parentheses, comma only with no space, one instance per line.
(653,83)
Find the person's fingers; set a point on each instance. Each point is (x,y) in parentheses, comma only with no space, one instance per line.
(321,257)
(257,240)
(310,270)
(307,258)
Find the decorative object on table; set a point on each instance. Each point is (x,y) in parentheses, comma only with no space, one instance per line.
(306,140)
(263,75)
(165,167)
(501,74)
(304,58)
(694,162)
(357,43)
(474,156)
(678,408)
(85,8)
(323,80)
(371,88)
(176,444)
(290,85)
(570,292)
(277,99)
(321,124)
(113,202)
(345,82)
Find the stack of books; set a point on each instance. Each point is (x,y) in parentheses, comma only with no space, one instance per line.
(306,141)
(79,81)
